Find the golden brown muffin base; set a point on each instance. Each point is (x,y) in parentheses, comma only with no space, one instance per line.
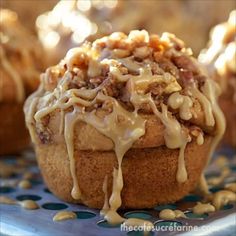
(229,108)
(13,134)
(149,174)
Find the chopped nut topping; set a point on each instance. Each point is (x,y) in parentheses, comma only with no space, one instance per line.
(110,62)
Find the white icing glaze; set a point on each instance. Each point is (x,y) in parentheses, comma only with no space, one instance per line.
(7,200)
(29,204)
(179,214)
(70,121)
(211,90)
(62,114)
(203,186)
(231,187)
(222,198)
(175,137)
(64,215)
(209,117)
(168,214)
(202,208)
(213,116)
(25,184)
(183,103)
(105,207)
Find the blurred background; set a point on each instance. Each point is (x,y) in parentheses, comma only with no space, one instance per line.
(63,24)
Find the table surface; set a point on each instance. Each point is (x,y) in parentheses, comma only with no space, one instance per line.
(14,220)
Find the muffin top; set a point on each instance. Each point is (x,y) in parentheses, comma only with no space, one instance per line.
(220,56)
(118,64)
(21,59)
(134,74)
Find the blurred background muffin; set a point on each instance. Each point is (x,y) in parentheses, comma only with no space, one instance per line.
(21,57)
(69,23)
(220,59)
(188,19)
(28,11)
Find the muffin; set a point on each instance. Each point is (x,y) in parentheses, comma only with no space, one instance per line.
(220,60)
(20,69)
(129,118)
